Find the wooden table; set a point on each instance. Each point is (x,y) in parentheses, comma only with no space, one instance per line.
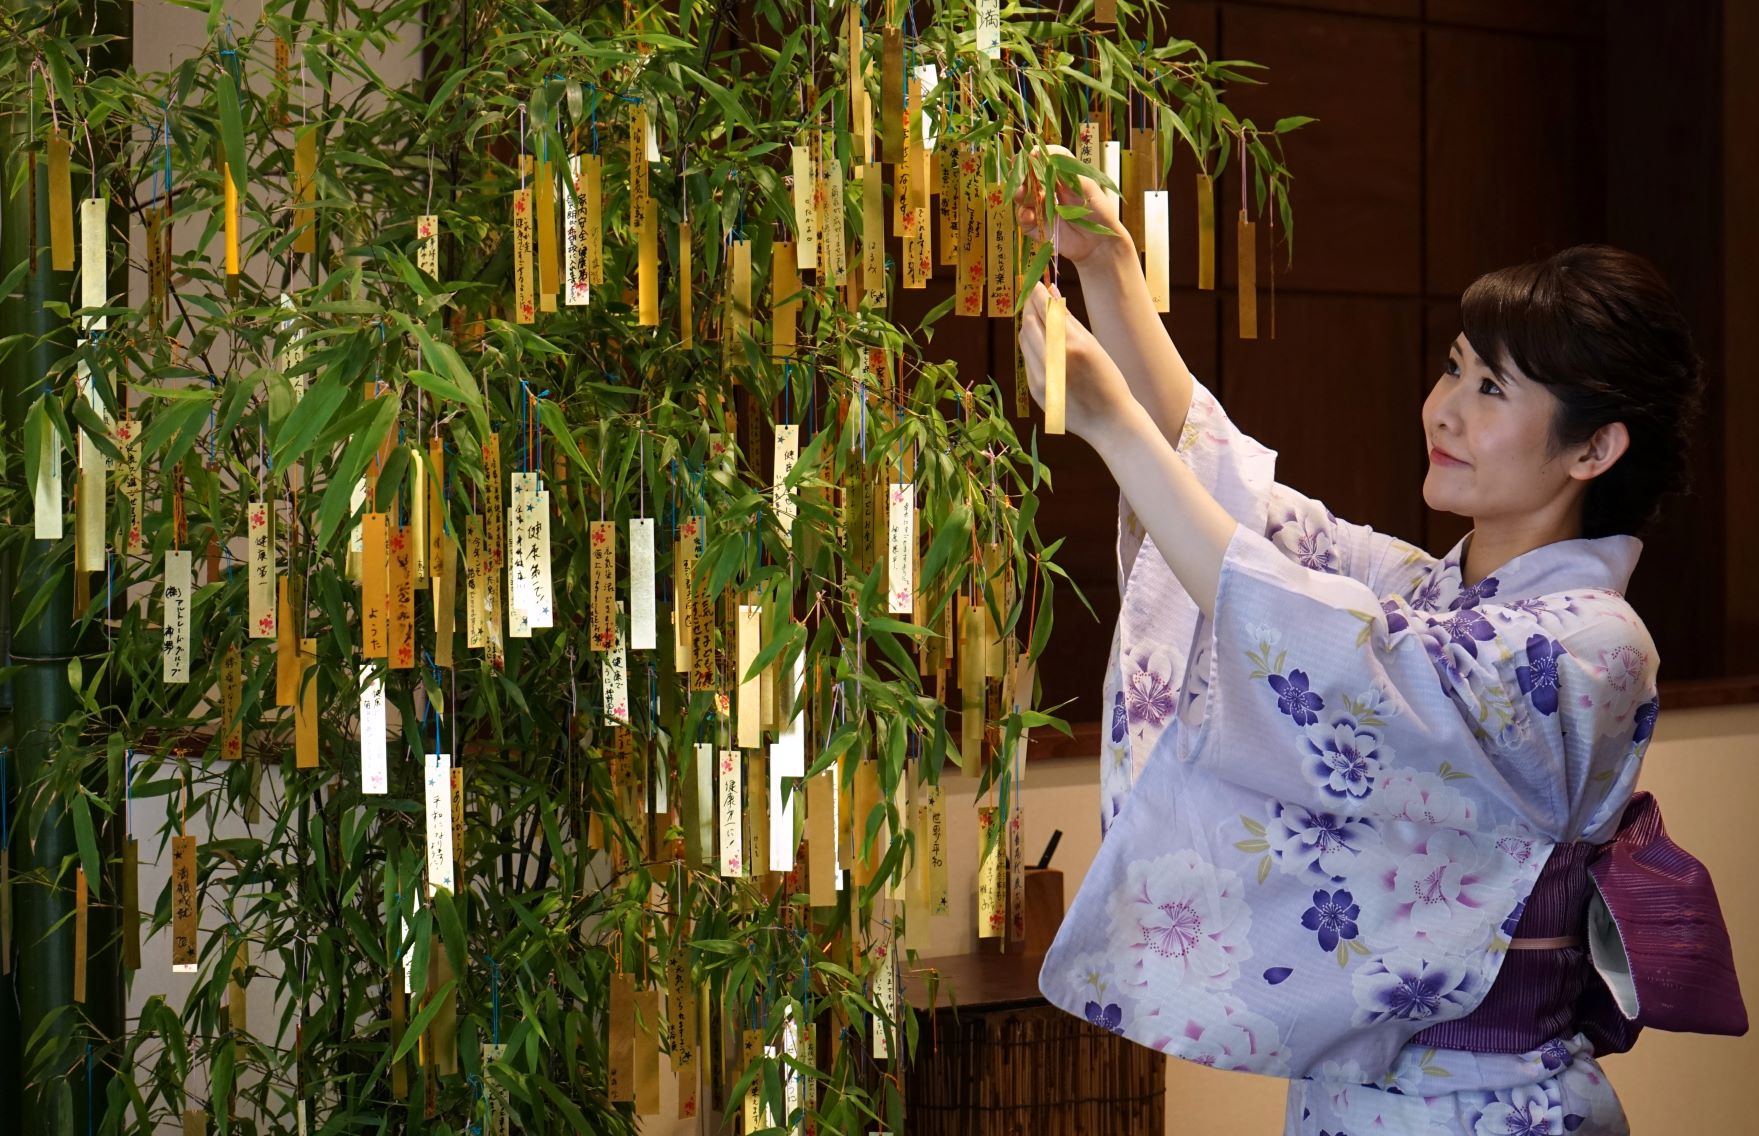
(993,1058)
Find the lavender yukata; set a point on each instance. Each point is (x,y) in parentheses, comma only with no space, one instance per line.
(1325,809)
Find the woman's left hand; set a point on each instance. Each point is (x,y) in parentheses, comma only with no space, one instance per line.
(1096,397)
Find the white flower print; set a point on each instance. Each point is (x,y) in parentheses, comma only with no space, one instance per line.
(1526,1110)
(1409,987)
(1322,845)
(1219,1031)
(1182,921)
(1410,794)
(1625,671)
(1432,887)
(1149,695)
(1343,758)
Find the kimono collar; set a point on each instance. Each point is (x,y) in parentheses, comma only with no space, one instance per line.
(1600,562)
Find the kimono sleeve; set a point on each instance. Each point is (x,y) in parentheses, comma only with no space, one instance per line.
(1521,715)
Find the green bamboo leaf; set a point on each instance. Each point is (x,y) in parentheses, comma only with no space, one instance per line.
(232,129)
(86,839)
(423,1019)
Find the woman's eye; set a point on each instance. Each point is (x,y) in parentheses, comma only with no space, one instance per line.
(1451,367)
(1486,386)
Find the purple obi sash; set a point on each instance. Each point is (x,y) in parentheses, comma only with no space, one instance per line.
(1662,959)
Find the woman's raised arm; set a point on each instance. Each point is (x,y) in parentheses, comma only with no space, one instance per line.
(1120,312)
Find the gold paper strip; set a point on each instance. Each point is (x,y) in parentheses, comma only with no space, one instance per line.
(972,233)
(738,318)
(286,646)
(81,933)
(60,203)
(785,456)
(1247,240)
(231,219)
(901,549)
(305,193)
(130,486)
(185,915)
(602,566)
(749,711)
(401,583)
(647,1052)
(867,799)
(375,587)
(648,267)
(232,704)
(524,286)
(592,168)
(946,167)
(821,839)
(873,232)
(891,94)
(549,272)
(784,312)
(427,244)
(686,316)
(620,1066)
(1205,233)
(1003,253)
(476,585)
(446,603)
(682,1028)
(833,247)
(704,667)
(990,916)
(305,720)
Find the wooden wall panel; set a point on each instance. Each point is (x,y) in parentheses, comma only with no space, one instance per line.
(1358,186)
(1335,396)
(1514,159)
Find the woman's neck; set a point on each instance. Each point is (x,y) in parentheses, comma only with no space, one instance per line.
(1496,541)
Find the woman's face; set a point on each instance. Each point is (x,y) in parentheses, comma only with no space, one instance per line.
(1489,441)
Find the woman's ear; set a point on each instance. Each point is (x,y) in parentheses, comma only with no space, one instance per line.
(1599,452)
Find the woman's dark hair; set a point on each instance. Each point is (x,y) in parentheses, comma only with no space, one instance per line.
(1600,327)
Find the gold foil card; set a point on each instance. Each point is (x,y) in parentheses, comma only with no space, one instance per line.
(1205,233)
(730,811)
(1248,273)
(305,193)
(185,914)
(748,712)
(524,280)
(232,704)
(375,587)
(427,244)
(602,566)
(990,916)
(402,594)
(806,198)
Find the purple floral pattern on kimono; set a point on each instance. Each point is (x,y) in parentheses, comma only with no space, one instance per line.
(1334,796)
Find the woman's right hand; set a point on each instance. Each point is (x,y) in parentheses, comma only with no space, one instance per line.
(1076,243)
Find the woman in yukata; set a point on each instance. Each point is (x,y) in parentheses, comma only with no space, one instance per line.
(1369,814)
